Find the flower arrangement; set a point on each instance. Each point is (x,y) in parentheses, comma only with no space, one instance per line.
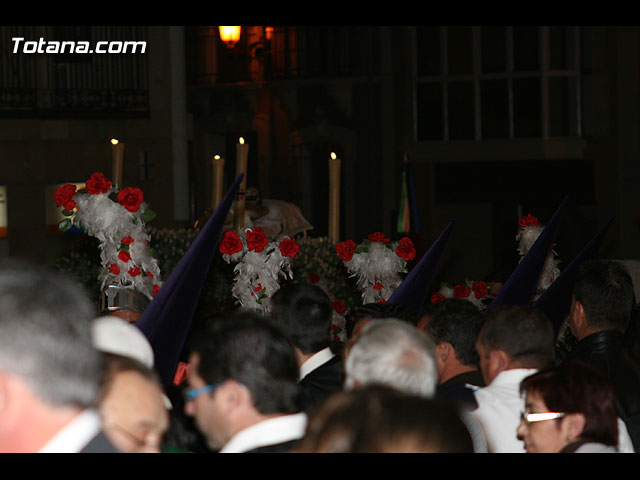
(473,291)
(260,264)
(377,263)
(318,264)
(117,219)
(530,229)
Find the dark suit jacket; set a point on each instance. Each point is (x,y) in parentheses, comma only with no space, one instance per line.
(455,390)
(317,385)
(99,444)
(606,352)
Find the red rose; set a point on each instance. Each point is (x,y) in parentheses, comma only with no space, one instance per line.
(134,271)
(345,249)
(382,301)
(528,220)
(339,306)
(127,240)
(289,247)
(461,291)
(98,183)
(256,240)
(63,196)
(377,286)
(258,287)
(124,256)
(480,289)
(130,198)
(437,297)
(155,290)
(230,243)
(149,274)
(114,269)
(314,278)
(405,249)
(378,237)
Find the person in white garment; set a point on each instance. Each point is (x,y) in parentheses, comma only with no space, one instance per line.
(515,342)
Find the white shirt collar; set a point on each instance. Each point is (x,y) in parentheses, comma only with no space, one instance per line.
(315,361)
(74,435)
(273,431)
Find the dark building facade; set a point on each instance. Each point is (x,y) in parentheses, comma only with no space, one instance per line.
(496,122)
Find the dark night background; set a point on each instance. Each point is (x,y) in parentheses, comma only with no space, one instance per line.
(496,122)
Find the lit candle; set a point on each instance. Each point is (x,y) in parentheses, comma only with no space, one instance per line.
(334,198)
(218,175)
(117,151)
(242,152)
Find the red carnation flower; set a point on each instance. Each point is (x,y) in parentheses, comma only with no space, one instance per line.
(314,278)
(130,198)
(289,247)
(346,249)
(377,286)
(382,301)
(437,297)
(480,289)
(155,290)
(378,237)
(258,287)
(114,269)
(339,306)
(127,240)
(256,240)
(461,291)
(63,196)
(98,183)
(406,249)
(230,243)
(149,274)
(124,256)
(528,220)
(134,271)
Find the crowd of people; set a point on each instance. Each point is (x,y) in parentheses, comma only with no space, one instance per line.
(448,379)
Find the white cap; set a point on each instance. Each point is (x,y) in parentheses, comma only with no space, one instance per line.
(115,335)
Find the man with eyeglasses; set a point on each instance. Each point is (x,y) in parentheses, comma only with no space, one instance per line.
(243,391)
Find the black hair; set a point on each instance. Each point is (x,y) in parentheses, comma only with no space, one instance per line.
(458,322)
(523,332)
(303,312)
(248,349)
(605,290)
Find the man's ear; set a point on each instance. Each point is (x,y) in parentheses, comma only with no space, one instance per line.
(443,350)
(578,318)
(233,395)
(499,361)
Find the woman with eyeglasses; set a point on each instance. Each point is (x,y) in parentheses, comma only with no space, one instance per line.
(569,408)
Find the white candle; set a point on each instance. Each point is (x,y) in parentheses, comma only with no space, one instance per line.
(117,151)
(218,176)
(242,152)
(334,198)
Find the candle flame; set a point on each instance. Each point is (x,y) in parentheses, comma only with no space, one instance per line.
(114,141)
(333,156)
(241,140)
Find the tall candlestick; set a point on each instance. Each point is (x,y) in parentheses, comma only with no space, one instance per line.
(218,176)
(117,151)
(242,152)
(334,198)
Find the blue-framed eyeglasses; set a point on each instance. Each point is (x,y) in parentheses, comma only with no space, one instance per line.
(192,393)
